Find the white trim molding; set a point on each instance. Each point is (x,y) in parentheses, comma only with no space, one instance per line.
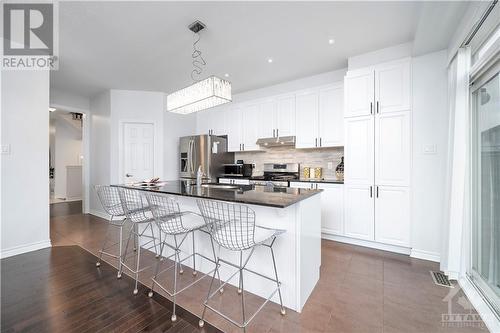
(487,315)
(14,251)
(100,214)
(425,255)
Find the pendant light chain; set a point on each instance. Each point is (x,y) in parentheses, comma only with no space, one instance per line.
(198,61)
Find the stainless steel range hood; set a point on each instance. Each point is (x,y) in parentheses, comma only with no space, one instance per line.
(276,142)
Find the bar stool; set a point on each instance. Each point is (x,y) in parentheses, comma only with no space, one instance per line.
(109,198)
(139,215)
(171,221)
(233,227)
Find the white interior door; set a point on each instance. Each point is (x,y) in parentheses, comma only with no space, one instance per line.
(392,149)
(359,93)
(392,215)
(358,150)
(392,86)
(359,211)
(138,160)
(331,116)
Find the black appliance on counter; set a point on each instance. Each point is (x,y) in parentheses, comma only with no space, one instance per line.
(238,170)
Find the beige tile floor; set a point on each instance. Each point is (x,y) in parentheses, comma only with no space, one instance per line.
(360,290)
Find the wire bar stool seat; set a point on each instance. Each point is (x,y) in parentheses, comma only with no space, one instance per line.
(171,221)
(233,227)
(139,214)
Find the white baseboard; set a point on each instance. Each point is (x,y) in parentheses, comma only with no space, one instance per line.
(99,213)
(425,255)
(365,243)
(481,306)
(13,251)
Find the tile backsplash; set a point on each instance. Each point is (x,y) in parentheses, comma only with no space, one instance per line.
(305,157)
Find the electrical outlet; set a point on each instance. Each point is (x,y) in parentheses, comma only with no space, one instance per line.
(5,149)
(430,149)
(330,165)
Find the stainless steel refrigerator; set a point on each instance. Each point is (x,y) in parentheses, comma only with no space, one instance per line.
(207,151)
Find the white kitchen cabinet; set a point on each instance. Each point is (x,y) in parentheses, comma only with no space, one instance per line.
(306,115)
(392,149)
(359,211)
(331,116)
(233,128)
(251,121)
(267,125)
(332,208)
(392,86)
(306,185)
(392,215)
(359,92)
(284,115)
(359,150)
(225,180)
(203,123)
(234,181)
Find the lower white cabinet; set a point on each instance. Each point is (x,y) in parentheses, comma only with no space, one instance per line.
(332,205)
(234,181)
(359,211)
(392,215)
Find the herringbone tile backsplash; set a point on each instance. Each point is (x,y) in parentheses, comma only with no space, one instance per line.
(306,158)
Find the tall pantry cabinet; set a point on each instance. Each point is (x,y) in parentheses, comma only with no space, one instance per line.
(377,125)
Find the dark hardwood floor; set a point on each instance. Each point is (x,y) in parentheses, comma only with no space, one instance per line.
(59,289)
(65,208)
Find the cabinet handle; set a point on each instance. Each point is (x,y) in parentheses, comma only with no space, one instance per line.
(377,108)
(243,146)
(377,192)
(371,107)
(316,142)
(274,133)
(371,192)
(277,133)
(320,144)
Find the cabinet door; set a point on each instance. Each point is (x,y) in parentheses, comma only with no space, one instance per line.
(267,123)
(331,116)
(241,181)
(358,211)
(332,208)
(392,215)
(359,93)
(251,121)
(392,149)
(233,128)
(285,115)
(358,150)
(224,181)
(392,86)
(203,124)
(217,120)
(306,115)
(306,185)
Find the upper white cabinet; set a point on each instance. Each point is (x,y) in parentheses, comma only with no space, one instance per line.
(284,116)
(331,116)
(392,149)
(251,121)
(359,150)
(319,117)
(359,92)
(233,128)
(306,115)
(392,87)
(267,123)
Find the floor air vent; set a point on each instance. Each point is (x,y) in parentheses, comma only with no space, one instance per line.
(440,279)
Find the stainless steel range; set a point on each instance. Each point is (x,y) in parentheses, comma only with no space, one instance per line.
(277,174)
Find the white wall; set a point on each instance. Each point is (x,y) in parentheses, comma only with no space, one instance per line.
(380,56)
(67,151)
(24,172)
(100,148)
(430,127)
(68,101)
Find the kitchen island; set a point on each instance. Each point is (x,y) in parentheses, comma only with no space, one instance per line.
(298,250)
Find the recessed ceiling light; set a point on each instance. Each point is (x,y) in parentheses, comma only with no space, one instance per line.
(52,109)
(270,60)
(331,41)
(226,75)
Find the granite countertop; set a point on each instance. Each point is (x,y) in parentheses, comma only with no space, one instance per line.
(319,180)
(279,197)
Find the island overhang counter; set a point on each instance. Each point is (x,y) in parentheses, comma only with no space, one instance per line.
(297,251)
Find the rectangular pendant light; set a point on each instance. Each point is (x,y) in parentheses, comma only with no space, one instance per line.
(201,95)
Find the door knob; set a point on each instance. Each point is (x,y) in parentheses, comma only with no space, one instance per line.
(128,175)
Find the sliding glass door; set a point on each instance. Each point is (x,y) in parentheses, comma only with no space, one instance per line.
(485,186)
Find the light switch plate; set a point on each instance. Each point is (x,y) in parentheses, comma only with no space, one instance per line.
(5,149)
(430,149)
(330,165)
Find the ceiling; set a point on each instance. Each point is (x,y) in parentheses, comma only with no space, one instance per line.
(147,46)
